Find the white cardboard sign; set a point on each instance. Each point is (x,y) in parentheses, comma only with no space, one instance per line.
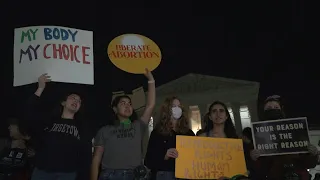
(66,54)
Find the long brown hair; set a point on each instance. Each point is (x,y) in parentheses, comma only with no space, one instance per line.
(229,128)
(164,125)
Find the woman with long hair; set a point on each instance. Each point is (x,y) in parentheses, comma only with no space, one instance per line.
(161,153)
(281,167)
(118,146)
(204,125)
(219,123)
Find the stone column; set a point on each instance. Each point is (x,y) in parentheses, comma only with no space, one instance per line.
(237,118)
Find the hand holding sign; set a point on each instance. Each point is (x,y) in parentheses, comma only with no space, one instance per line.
(149,75)
(312,150)
(254,154)
(171,153)
(42,80)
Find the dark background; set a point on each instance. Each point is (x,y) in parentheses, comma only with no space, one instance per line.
(266,42)
(297,135)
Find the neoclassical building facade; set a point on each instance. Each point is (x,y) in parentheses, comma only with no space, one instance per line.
(198,91)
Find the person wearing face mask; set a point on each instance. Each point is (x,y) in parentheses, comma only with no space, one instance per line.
(286,166)
(161,152)
(273,109)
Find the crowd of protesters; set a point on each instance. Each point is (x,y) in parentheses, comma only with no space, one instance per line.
(55,146)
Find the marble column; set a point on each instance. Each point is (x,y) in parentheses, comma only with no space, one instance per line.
(237,118)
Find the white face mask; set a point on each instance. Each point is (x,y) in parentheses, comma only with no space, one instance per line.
(176,112)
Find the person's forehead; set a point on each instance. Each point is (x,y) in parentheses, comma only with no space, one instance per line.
(125,100)
(272,103)
(176,102)
(217,106)
(74,96)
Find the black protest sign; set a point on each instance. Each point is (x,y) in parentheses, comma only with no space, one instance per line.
(284,136)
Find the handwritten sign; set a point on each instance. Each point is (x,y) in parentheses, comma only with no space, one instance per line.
(284,136)
(134,53)
(66,54)
(209,158)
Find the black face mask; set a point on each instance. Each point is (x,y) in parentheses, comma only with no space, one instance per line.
(273,114)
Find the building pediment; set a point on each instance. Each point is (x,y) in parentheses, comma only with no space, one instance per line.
(201,83)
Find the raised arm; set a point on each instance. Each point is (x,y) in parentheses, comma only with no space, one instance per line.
(151,99)
(42,80)
(32,109)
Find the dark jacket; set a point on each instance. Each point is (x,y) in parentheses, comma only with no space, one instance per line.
(273,166)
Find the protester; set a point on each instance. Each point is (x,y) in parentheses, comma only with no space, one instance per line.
(118,147)
(247,147)
(285,166)
(247,135)
(16,158)
(219,124)
(58,148)
(161,153)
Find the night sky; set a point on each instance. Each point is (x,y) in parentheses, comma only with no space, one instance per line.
(268,43)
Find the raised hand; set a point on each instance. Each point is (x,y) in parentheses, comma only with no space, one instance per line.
(149,75)
(42,80)
(151,98)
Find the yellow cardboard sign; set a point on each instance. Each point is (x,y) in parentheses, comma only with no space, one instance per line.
(209,158)
(134,53)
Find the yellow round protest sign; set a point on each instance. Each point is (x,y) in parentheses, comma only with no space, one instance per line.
(134,53)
